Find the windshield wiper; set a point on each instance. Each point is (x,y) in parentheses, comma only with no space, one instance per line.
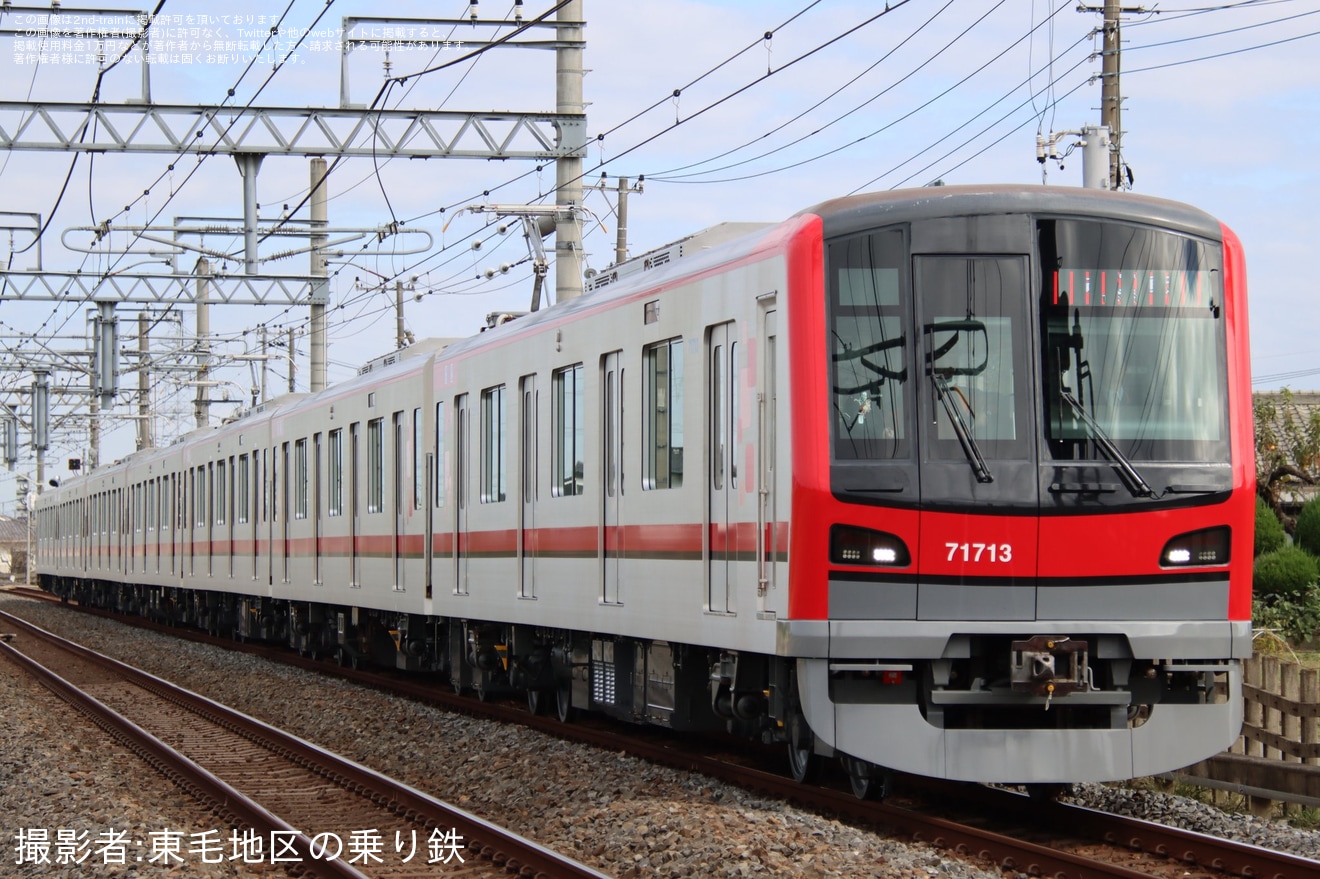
(965,438)
(1132,479)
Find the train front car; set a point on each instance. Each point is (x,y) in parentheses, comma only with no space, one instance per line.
(1023,485)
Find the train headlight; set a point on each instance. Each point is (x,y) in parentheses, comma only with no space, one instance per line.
(1195,548)
(861,546)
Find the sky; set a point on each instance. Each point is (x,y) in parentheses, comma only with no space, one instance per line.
(730,110)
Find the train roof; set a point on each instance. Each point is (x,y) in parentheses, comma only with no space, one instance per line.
(844,216)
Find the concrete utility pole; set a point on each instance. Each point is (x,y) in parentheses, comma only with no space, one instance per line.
(41,421)
(1111,94)
(1111,98)
(317,354)
(292,385)
(568,170)
(622,190)
(621,234)
(400,339)
(144,382)
(265,361)
(93,432)
(201,408)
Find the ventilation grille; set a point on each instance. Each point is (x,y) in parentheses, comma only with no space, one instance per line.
(602,682)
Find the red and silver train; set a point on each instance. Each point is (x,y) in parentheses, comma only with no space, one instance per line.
(957,481)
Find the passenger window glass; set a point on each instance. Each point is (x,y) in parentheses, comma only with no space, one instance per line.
(868,345)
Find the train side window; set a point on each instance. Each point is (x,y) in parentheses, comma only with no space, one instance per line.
(419,468)
(375,465)
(494,466)
(300,481)
(199,497)
(242,490)
(283,510)
(662,409)
(440,468)
(568,432)
(221,491)
(869,348)
(735,424)
(336,465)
(275,494)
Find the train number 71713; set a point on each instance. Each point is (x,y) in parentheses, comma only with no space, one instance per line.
(977,552)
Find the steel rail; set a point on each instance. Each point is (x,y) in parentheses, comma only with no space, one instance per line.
(1133,834)
(516,855)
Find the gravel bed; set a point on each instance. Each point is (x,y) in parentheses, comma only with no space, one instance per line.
(1189,814)
(619,814)
(63,779)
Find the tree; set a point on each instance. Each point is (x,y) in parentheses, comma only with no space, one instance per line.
(1287,446)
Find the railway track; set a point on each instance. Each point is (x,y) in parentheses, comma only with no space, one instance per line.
(317,813)
(1022,835)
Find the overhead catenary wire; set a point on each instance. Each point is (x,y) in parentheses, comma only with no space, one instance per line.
(201,157)
(412,269)
(662,177)
(146,193)
(671,174)
(441,210)
(448,252)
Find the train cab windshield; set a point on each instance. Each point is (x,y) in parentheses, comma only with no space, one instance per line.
(1093,364)
(1132,344)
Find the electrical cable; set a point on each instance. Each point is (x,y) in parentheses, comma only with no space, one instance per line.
(929,102)
(671,175)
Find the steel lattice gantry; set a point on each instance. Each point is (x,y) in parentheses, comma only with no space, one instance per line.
(80,287)
(314,131)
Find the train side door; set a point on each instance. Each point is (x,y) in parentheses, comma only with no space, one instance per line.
(399,451)
(206,515)
(429,505)
(255,514)
(283,509)
(976,434)
(355,504)
(527,549)
(462,453)
(231,512)
(722,480)
(194,512)
(612,473)
(767,447)
(318,548)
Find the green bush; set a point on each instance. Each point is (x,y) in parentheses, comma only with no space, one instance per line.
(1269,530)
(1307,535)
(1286,571)
(1295,618)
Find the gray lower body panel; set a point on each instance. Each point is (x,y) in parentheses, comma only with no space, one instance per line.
(897,736)
(930,639)
(879,599)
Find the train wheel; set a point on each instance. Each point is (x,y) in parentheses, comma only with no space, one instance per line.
(868,781)
(803,762)
(538,700)
(564,702)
